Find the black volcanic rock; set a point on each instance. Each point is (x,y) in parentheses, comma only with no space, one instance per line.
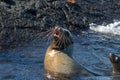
(19,15)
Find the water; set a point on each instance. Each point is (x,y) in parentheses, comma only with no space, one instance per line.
(91,50)
(112,28)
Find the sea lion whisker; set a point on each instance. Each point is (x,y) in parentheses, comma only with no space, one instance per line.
(49,33)
(64,40)
(44,33)
(37,36)
(60,43)
(49,36)
(68,39)
(45,38)
(57,43)
(60,40)
(41,34)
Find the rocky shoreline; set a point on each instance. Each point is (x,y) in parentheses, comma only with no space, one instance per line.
(22,20)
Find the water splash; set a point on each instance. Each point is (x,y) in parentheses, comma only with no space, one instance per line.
(112,28)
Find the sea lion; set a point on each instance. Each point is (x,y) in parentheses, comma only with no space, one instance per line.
(115,61)
(58,63)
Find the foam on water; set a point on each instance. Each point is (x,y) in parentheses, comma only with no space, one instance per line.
(112,28)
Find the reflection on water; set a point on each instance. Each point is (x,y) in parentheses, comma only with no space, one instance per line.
(23,63)
(91,50)
(116,77)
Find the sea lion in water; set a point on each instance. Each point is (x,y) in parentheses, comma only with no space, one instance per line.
(115,61)
(58,63)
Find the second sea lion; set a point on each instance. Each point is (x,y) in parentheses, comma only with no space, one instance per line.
(115,61)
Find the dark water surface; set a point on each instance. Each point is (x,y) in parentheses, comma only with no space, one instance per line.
(91,50)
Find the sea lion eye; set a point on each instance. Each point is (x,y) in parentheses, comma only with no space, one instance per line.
(116,59)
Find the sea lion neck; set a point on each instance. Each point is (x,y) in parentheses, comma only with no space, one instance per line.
(116,69)
(59,45)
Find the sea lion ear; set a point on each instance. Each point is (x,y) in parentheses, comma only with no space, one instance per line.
(68,32)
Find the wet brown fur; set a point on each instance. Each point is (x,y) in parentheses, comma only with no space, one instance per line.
(61,63)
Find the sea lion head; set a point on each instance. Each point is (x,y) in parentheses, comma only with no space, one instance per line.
(115,61)
(62,38)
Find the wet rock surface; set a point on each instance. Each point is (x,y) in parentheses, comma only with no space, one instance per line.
(23,19)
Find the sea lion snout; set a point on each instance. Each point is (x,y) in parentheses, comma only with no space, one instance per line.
(56,32)
(59,31)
